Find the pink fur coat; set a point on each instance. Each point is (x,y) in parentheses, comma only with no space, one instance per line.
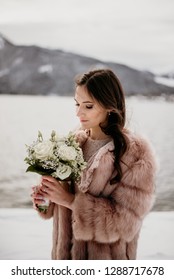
(106,219)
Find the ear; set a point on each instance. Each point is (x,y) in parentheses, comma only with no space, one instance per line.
(111,111)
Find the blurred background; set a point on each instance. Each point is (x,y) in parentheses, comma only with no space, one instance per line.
(44,44)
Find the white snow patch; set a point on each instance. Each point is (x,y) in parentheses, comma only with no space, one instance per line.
(47,68)
(165,81)
(24,235)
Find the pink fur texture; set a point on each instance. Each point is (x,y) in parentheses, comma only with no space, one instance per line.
(106,219)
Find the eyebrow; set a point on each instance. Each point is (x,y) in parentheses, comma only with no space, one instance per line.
(85,101)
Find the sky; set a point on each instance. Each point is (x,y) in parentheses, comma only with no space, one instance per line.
(138,33)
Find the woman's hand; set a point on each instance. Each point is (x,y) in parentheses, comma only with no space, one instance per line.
(56,191)
(37,196)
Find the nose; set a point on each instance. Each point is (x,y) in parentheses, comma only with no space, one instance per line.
(79,111)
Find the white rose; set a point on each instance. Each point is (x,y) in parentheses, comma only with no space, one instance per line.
(62,172)
(43,150)
(67,153)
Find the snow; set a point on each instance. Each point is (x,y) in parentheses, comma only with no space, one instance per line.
(89,27)
(165,81)
(48,68)
(26,236)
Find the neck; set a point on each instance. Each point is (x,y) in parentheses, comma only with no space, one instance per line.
(97,135)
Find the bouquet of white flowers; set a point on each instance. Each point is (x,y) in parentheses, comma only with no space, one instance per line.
(60,157)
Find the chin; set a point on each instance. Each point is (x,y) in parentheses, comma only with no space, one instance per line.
(83,126)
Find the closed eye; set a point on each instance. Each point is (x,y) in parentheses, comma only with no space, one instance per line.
(89,106)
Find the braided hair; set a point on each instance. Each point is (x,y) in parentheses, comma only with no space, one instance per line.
(104,86)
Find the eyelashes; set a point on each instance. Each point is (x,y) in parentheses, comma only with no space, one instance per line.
(89,106)
(86,106)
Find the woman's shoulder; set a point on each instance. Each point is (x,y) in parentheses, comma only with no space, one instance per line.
(139,146)
(138,140)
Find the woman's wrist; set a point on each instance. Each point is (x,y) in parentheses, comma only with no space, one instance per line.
(69,201)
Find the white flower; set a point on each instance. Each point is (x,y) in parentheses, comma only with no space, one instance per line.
(67,153)
(60,157)
(43,150)
(63,172)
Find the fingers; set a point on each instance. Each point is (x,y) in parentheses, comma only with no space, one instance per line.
(44,191)
(49,178)
(34,188)
(50,184)
(38,201)
(37,196)
(34,206)
(47,185)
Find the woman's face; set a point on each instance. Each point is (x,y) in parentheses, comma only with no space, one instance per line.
(89,111)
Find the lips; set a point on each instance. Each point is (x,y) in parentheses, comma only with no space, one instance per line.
(83,121)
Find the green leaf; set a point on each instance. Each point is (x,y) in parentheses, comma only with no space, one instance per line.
(42,209)
(32,168)
(39,170)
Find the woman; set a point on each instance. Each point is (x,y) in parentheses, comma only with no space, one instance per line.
(102,217)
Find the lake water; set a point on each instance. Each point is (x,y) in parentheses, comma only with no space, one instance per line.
(22,116)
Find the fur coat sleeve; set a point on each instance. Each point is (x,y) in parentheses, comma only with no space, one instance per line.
(106,213)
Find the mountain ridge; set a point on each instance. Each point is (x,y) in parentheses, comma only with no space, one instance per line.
(34,70)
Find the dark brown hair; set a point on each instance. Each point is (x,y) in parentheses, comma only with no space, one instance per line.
(104,86)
